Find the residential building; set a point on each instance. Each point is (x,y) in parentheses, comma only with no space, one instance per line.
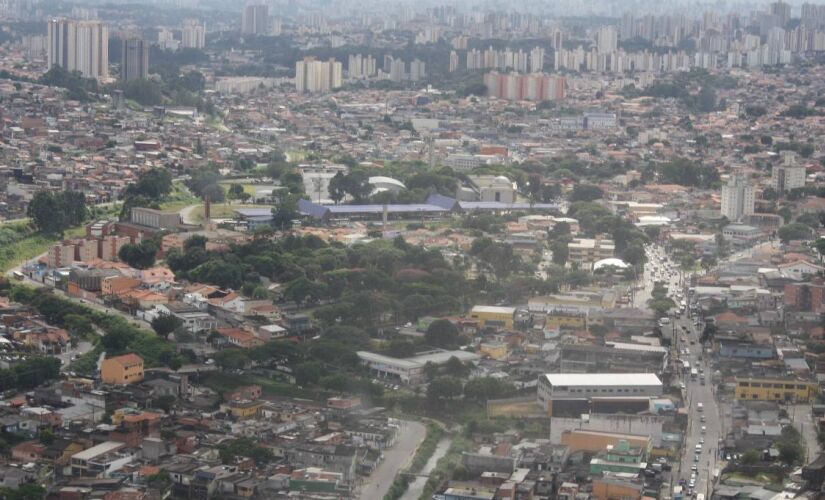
(61,255)
(313,76)
(741,235)
(621,457)
(255,20)
(193,35)
(100,460)
(806,297)
(79,46)
(122,370)
(787,177)
(756,389)
(584,252)
(134,59)
(525,87)
(738,197)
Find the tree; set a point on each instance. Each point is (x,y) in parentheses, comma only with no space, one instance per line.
(443,388)
(160,481)
(245,447)
(144,92)
(139,256)
(45,212)
(455,368)
(795,231)
(164,324)
(483,389)
(586,192)
(231,359)
(442,333)
(336,188)
(153,184)
(750,457)
(285,213)
(195,241)
(819,245)
(235,192)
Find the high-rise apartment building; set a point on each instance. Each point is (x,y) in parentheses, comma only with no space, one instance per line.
(314,76)
(359,66)
(782,11)
(193,35)
(788,175)
(607,39)
(738,197)
(79,46)
(255,20)
(418,70)
(453,61)
(529,87)
(134,60)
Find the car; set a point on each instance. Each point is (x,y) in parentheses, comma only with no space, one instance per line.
(699,447)
(704,429)
(696,457)
(701,440)
(692,484)
(694,468)
(702,419)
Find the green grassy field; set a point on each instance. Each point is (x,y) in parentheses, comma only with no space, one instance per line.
(224,382)
(222,210)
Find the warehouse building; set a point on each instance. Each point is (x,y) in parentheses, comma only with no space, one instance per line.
(582,390)
(409,370)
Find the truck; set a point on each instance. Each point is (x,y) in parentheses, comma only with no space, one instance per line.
(694,373)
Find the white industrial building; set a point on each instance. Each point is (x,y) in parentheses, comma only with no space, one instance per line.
(591,385)
(409,370)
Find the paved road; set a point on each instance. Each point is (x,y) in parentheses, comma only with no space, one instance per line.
(410,436)
(92,305)
(802,417)
(706,459)
(657,261)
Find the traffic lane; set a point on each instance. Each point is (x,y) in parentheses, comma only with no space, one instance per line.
(397,458)
(698,393)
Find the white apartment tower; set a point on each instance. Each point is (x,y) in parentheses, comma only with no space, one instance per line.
(607,39)
(788,175)
(79,46)
(738,197)
(193,35)
(313,76)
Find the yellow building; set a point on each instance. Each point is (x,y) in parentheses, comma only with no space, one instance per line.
(494,316)
(122,370)
(245,409)
(563,320)
(763,389)
(496,350)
